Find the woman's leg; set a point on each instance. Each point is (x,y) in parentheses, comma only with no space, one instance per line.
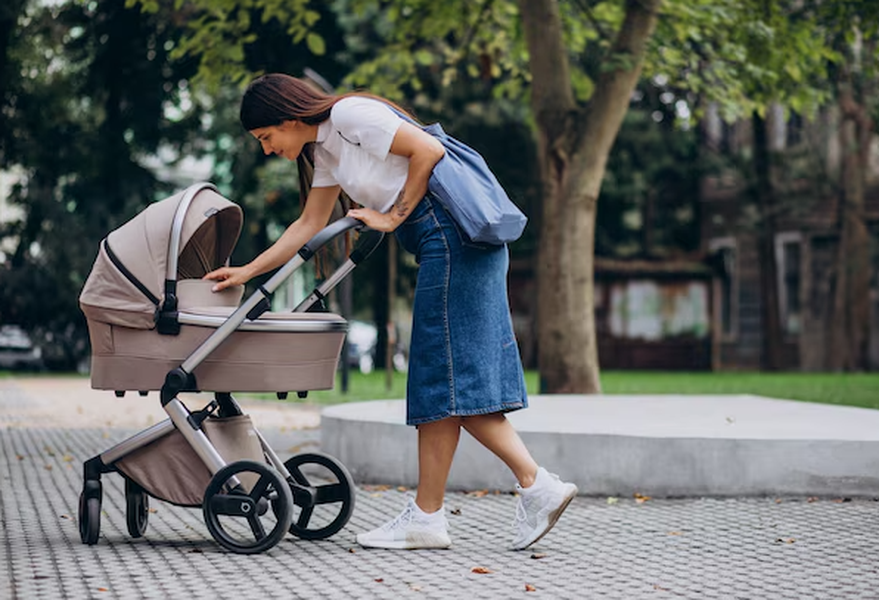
(497,434)
(437,442)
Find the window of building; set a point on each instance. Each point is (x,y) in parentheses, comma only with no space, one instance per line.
(788,259)
(728,303)
(795,125)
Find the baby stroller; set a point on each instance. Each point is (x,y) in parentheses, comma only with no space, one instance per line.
(155,325)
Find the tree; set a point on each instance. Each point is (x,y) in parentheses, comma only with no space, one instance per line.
(85,93)
(852,28)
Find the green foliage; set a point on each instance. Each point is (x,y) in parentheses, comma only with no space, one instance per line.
(85,95)
(741,54)
(652,181)
(220,32)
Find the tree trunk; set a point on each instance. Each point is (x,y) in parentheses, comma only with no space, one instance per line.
(849,322)
(573,147)
(772,331)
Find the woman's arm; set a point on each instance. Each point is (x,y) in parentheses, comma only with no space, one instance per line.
(314,217)
(423,151)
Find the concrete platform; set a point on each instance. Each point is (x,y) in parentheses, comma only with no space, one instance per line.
(661,446)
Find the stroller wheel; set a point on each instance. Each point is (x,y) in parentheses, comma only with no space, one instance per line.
(232,511)
(323,492)
(89,519)
(137,508)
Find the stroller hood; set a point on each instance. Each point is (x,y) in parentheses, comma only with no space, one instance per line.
(126,285)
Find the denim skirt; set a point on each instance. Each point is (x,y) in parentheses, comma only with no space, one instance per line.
(463,357)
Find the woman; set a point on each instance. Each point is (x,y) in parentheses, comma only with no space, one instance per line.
(464,368)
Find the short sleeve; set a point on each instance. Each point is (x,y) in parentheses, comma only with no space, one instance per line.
(323,175)
(369,123)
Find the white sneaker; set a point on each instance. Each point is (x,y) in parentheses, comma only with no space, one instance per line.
(413,529)
(539,507)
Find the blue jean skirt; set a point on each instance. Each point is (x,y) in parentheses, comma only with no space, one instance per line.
(463,357)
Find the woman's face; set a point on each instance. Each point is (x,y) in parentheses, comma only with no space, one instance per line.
(286,140)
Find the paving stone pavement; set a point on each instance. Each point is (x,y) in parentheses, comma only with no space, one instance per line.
(745,548)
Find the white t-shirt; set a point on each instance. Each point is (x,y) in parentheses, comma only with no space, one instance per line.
(353,151)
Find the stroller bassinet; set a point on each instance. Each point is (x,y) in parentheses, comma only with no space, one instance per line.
(147,308)
(154,324)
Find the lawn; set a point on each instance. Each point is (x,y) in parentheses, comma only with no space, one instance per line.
(861,389)
(851,389)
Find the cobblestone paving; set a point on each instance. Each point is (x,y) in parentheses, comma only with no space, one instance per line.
(762,548)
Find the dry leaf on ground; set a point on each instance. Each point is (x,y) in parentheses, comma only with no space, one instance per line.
(481,570)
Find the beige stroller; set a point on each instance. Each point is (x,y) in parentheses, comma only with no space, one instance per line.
(155,325)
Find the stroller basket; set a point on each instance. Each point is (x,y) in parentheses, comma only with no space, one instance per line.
(155,324)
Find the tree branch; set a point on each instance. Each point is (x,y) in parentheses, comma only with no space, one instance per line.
(551,92)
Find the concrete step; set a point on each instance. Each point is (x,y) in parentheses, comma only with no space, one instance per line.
(661,445)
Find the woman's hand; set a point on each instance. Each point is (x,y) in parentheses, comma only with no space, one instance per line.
(374,219)
(228,277)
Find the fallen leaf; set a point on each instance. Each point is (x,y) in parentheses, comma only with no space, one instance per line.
(414,588)
(376,488)
(641,498)
(481,570)
(612,500)
(19,457)
(196,551)
(47,467)
(840,500)
(778,500)
(103,589)
(65,516)
(530,588)
(675,533)
(656,586)
(538,555)
(378,580)
(352,551)
(402,488)
(785,540)
(811,499)
(68,458)
(478,493)
(455,511)
(153,510)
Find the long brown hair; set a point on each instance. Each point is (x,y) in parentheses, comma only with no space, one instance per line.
(273,98)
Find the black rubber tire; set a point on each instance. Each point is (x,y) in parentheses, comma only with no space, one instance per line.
(89,519)
(341,493)
(270,486)
(137,509)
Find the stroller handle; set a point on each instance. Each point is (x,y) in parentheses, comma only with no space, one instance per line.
(328,233)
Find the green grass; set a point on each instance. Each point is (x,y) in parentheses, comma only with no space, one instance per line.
(844,389)
(857,389)
(850,389)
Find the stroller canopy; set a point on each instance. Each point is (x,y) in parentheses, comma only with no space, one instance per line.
(127,283)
